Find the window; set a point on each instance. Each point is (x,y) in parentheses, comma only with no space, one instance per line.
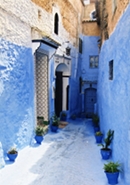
(111,70)
(93,61)
(56,24)
(93,15)
(114,5)
(80,45)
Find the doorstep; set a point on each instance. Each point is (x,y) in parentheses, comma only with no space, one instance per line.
(63,124)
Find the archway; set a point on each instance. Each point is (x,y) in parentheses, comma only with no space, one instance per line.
(62,90)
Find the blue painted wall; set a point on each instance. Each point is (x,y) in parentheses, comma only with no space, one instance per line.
(114,95)
(74,99)
(80,68)
(90,48)
(16,95)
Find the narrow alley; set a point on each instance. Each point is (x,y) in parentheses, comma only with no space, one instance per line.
(68,157)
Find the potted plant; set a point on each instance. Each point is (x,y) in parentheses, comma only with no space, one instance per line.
(63,116)
(12,154)
(39,131)
(98,137)
(112,170)
(55,123)
(95,119)
(105,150)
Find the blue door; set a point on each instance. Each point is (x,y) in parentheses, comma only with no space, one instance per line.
(90,100)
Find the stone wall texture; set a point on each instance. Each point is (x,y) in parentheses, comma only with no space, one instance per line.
(88,9)
(69,13)
(113,17)
(91,28)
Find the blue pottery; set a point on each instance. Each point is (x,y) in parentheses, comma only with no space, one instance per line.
(99,138)
(96,129)
(63,118)
(54,128)
(12,157)
(106,154)
(112,177)
(39,139)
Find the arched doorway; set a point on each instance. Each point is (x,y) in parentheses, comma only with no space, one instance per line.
(90,99)
(62,90)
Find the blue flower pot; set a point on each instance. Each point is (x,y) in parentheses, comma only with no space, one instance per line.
(54,128)
(39,139)
(112,177)
(99,138)
(63,118)
(106,154)
(96,129)
(12,157)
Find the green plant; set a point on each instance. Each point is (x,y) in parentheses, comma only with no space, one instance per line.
(98,133)
(112,167)
(46,122)
(12,151)
(95,119)
(55,121)
(39,130)
(108,140)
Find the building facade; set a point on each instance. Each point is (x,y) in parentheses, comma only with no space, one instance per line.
(63,56)
(49,63)
(113,79)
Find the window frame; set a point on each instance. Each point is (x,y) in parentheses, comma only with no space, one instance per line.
(94,62)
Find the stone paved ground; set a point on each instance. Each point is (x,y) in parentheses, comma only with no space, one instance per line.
(69,157)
